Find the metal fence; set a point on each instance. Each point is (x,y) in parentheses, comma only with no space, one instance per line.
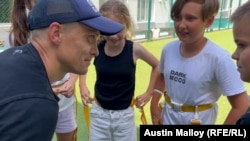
(160,25)
(5,11)
(151,17)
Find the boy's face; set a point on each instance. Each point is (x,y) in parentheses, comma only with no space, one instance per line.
(189,24)
(241,33)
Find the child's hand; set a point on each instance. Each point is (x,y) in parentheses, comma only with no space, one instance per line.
(142,100)
(86,98)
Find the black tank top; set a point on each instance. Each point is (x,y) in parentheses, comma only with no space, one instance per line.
(115,78)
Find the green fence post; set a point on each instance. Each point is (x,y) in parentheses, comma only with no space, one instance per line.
(239,3)
(171,4)
(230,12)
(221,7)
(149,20)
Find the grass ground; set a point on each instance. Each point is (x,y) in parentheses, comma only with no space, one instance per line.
(223,38)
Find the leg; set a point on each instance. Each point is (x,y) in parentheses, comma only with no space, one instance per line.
(66,125)
(100,124)
(70,136)
(123,127)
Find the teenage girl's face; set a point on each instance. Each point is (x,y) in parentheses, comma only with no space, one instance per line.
(241,33)
(189,25)
(117,38)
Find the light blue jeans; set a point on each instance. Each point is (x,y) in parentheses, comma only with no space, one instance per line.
(112,125)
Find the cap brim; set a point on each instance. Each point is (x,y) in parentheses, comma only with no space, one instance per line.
(104,25)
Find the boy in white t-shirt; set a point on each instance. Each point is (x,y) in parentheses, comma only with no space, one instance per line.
(195,71)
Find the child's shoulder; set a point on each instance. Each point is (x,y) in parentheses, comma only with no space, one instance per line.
(173,43)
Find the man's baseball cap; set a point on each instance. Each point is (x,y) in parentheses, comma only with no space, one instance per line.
(46,12)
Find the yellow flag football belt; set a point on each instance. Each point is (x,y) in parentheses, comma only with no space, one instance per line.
(187,108)
(87,115)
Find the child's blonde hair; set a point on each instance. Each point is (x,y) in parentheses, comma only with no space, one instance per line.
(120,11)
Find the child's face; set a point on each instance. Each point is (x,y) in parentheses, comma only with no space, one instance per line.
(241,33)
(189,25)
(115,39)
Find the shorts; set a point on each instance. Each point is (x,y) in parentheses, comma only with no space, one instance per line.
(66,120)
(112,125)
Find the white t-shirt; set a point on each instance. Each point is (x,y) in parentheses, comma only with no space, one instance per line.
(6,44)
(197,80)
(64,102)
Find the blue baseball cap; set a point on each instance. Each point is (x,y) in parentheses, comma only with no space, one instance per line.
(65,11)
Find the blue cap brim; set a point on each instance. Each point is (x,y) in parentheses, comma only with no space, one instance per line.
(104,25)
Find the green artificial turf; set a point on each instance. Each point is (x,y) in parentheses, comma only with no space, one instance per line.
(223,38)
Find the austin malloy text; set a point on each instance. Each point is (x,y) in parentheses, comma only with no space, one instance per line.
(194,132)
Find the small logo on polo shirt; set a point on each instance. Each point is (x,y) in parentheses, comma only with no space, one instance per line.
(17,51)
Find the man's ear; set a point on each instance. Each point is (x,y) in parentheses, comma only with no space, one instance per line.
(55,32)
(209,21)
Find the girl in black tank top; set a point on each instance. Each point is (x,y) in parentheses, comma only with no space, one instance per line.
(112,112)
